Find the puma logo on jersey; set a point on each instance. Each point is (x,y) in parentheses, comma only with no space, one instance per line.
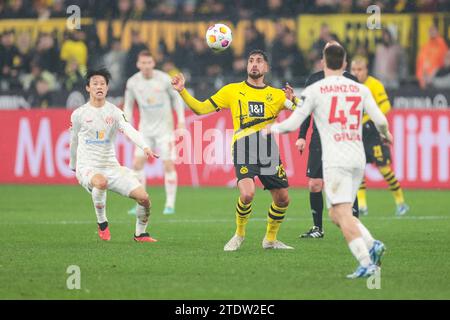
(242,93)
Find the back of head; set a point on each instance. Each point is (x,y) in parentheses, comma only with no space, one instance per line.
(334,56)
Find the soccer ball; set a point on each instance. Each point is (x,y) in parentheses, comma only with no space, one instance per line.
(219,37)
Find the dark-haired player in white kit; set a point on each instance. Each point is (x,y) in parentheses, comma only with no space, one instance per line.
(337,104)
(314,168)
(94,127)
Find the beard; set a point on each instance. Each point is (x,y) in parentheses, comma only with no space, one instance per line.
(256,75)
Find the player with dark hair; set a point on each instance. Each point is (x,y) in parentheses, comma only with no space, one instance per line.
(314,168)
(94,127)
(253,104)
(338,104)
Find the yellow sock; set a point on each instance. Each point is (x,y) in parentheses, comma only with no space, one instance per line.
(242,215)
(362,197)
(394,185)
(274,219)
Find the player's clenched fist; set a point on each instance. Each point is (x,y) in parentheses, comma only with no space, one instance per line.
(178,82)
(300,144)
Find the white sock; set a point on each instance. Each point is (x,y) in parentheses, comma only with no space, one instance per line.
(359,249)
(140,174)
(99,199)
(142,214)
(368,239)
(170,182)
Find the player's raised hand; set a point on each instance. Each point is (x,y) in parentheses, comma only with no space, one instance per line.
(300,144)
(150,154)
(288,91)
(178,82)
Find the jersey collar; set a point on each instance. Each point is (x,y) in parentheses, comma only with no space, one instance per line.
(255,87)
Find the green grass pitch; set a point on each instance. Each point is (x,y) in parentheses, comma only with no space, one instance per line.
(45,229)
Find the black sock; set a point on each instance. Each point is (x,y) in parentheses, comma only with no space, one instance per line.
(316,202)
(355,208)
(103,225)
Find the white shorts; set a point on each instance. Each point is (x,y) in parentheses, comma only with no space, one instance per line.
(341,184)
(163,145)
(120,179)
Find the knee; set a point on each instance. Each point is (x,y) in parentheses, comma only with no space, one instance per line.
(282,199)
(315,185)
(247,196)
(144,200)
(101,183)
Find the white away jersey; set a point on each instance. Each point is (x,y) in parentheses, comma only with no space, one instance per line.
(337,104)
(155,98)
(93,131)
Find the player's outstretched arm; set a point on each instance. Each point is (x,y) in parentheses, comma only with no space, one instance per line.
(290,124)
(199,107)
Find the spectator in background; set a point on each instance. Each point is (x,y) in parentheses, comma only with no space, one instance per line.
(315,54)
(325,6)
(47,53)
(42,9)
(211,8)
(115,60)
(139,10)
(240,67)
(183,49)
(36,72)
(166,9)
(390,63)
(123,10)
(170,68)
(136,46)
(74,47)
(17,10)
(430,57)
(40,95)
(188,8)
(441,79)
(25,53)
(58,9)
(9,56)
(287,60)
(253,40)
(73,79)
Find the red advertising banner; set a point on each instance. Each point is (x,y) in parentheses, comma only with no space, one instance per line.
(34,149)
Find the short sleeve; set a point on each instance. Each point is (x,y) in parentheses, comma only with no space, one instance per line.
(221,99)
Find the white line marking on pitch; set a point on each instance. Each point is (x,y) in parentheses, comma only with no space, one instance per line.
(162,220)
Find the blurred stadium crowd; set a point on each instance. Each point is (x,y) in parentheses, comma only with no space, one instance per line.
(47,63)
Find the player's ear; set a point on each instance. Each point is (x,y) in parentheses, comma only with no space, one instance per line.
(344,65)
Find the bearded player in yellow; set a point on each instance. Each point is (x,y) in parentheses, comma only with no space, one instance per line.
(376,151)
(253,105)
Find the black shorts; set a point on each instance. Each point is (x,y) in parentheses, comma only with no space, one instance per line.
(314,170)
(259,156)
(376,151)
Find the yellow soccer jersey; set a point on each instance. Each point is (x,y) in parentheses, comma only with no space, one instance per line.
(379,94)
(252,108)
